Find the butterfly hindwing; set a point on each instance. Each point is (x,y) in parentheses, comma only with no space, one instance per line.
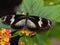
(44,24)
(41,23)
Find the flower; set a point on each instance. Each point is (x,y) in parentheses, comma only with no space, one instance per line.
(8,35)
(22,43)
(6,39)
(2,43)
(4,36)
(3,30)
(8,31)
(26,31)
(33,33)
(7,43)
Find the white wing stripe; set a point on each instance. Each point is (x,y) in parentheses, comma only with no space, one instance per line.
(12,19)
(40,22)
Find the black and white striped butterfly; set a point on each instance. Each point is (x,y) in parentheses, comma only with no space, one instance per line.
(25,21)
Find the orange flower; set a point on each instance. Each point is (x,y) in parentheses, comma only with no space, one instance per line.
(8,31)
(22,43)
(33,33)
(8,35)
(7,43)
(4,35)
(26,31)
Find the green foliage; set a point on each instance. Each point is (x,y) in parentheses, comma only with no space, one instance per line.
(51,12)
(55,2)
(27,39)
(35,40)
(55,32)
(5,26)
(32,7)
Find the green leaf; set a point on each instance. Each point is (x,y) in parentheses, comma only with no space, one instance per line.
(5,26)
(57,1)
(27,39)
(32,6)
(51,12)
(53,2)
(35,40)
(56,31)
(18,33)
(41,40)
(22,39)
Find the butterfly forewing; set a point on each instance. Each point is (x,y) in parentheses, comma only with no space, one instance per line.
(6,19)
(19,22)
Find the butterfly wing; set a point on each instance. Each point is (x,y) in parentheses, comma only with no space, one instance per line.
(34,23)
(10,19)
(41,23)
(19,22)
(6,19)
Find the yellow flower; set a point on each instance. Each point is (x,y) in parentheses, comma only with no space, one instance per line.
(4,35)
(6,39)
(26,31)
(2,43)
(3,30)
(23,30)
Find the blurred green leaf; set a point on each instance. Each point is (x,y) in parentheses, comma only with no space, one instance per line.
(41,40)
(5,26)
(27,39)
(32,7)
(51,2)
(18,33)
(57,1)
(51,12)
(56,31)
(22,39)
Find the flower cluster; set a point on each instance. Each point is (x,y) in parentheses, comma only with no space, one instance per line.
(4,36)
(27,32)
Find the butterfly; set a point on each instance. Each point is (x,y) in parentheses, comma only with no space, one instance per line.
(9,7)
(33,23)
